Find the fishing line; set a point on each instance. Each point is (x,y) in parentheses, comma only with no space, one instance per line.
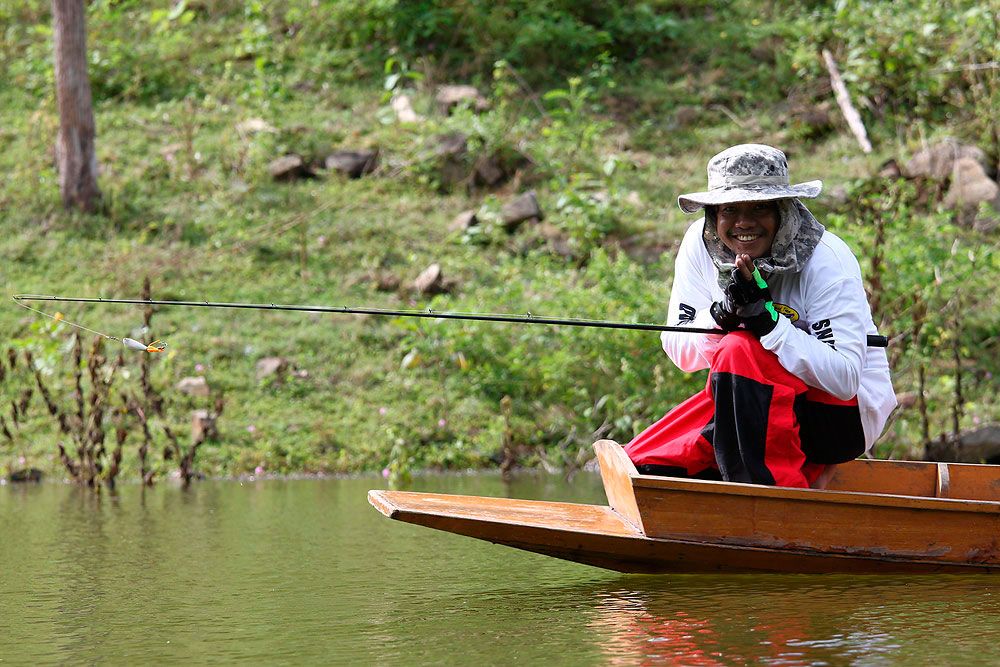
(129,343)
(527,318)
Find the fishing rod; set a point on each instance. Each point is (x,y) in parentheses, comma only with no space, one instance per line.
(527,318)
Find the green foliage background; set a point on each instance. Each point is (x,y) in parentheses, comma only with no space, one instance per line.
(606,110)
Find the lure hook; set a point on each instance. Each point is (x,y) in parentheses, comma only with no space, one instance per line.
(129,343)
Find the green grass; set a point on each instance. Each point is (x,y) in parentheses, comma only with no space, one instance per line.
(190,206)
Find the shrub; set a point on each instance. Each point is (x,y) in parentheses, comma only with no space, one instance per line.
(902,59)
(564,380)
(936,302)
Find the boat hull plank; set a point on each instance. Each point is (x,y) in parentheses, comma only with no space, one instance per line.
(885,517)
(599,536)
(829,521)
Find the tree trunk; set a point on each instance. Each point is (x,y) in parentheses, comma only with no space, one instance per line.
(76,158)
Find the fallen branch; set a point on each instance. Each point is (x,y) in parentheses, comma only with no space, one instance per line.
(733,117)
(844,101)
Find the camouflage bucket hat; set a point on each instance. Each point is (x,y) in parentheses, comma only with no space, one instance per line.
(748,172)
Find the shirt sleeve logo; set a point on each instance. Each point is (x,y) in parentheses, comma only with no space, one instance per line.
(824,331)
(687,314)
(787,311)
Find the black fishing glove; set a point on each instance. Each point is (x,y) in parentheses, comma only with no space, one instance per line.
(748,302)
(724,314)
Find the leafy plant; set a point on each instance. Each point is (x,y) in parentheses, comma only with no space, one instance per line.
(564,381)
(83,421)
(902,59)
(397,75)
(552,36)
(934,300)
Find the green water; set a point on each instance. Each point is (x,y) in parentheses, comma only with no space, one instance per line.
(306,572)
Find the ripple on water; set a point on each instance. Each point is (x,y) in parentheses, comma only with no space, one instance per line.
(305,571)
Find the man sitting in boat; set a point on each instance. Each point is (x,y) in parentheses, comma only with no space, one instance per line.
(788,395)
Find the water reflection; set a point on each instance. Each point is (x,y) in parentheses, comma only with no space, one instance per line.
(792,620)
(305,571)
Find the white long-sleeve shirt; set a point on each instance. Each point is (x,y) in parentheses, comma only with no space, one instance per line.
(822,339)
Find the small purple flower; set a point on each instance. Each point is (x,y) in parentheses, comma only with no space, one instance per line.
(251,428)
(382,411)
(259,470)
(20,461)
(975,420)
(199,367)
(385,473)
(441,422)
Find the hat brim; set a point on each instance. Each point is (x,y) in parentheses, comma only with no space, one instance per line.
(690,203)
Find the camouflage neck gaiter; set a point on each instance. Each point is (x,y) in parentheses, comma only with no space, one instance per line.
(798,235)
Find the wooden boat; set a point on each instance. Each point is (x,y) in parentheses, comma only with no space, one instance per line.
(872,517)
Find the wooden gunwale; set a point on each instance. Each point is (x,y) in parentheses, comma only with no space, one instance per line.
(816,495)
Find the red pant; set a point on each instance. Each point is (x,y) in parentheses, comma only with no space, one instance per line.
(754,422)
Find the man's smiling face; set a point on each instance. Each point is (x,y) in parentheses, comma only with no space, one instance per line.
(748,228)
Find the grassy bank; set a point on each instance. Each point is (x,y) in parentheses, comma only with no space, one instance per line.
(192,105)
